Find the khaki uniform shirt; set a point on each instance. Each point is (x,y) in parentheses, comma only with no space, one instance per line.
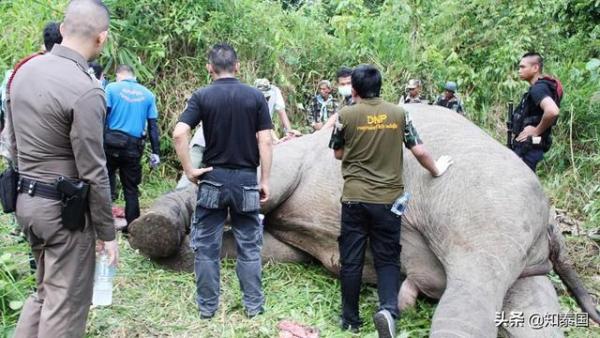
(58,112)
(374,132)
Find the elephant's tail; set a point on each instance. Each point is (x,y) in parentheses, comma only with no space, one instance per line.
(564,268)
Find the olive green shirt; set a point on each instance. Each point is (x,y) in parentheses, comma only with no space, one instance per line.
(374,132)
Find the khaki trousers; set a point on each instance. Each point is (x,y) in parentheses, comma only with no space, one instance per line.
(65,271)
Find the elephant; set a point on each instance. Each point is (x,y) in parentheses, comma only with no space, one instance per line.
(479,238)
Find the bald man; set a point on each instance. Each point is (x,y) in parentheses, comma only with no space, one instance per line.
(57,115)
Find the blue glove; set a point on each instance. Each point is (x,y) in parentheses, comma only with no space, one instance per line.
(154,161)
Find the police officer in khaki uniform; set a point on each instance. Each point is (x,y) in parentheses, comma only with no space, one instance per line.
(57,117)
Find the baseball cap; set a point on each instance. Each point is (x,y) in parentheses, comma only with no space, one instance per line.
(263,85)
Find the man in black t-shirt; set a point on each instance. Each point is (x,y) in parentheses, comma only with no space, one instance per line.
(537,112)
(237,129)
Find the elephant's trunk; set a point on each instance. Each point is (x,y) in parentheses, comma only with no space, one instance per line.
(564,268)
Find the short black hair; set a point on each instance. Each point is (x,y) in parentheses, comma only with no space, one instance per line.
(366,81)
(98,69)
(222,57)
(538,59)
(125,69)
(344,72)
(52,35)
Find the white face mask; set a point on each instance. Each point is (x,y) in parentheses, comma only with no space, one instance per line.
(345,90)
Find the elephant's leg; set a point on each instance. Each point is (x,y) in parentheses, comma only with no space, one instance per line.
(407,297)
(424,272)
(475,291)
(530,296)
(273,250)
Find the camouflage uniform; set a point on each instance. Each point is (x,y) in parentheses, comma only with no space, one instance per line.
(454,103)
(408,99)
(320,110)
(411,137)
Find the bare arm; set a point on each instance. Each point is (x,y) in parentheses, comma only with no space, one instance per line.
(330,121)
(551,111)
(181,137)
(424,158)
(284,120)
(265,148)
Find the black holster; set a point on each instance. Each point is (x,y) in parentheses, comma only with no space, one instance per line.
(74,202)
(9,180)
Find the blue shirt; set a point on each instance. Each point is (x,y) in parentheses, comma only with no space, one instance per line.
(130,104)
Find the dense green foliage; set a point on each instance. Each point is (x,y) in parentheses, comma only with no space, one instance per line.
(296,43)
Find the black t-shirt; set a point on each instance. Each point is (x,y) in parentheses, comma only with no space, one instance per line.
(537,92)
(231,114)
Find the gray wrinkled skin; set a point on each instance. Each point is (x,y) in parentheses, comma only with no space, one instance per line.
(466,237)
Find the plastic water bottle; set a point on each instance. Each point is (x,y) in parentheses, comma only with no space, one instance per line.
(400,204)
(103,281)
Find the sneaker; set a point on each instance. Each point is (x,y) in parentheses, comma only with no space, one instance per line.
(204,315)
(348,327)
(252,314)
(385,324)
(595,235)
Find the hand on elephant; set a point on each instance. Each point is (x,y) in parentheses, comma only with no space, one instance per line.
(442,164)
(194,174)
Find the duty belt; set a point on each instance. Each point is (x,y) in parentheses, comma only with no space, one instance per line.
(40,189)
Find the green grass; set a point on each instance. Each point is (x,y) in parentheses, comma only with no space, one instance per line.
(16,282)
(151,301)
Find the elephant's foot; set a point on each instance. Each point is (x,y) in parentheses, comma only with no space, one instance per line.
(155,235)
(407,297)
(525,305)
